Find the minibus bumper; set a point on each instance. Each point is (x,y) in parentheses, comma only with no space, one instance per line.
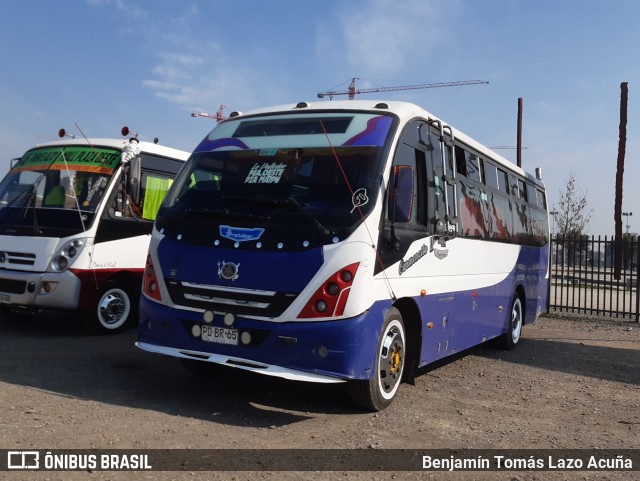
(39,290)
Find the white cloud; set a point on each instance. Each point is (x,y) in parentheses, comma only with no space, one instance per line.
(195,84)
(386,37)
(128,7)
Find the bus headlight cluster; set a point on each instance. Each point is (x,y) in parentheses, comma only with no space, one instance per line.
(331,298)
(63,259)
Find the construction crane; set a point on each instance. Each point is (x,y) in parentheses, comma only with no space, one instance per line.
(352,90)
(219,116)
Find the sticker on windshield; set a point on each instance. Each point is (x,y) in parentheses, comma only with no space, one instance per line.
(265,173)
(359,198)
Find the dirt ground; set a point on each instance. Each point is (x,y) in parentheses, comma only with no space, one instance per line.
(571,383)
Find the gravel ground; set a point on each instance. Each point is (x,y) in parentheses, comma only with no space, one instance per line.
(571,383)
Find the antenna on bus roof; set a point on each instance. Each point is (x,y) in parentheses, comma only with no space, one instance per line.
(134,135)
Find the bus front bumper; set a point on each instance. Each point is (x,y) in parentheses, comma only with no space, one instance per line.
(317,351)
(39,290)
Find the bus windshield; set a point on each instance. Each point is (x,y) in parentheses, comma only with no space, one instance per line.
(55,190)
(313,174)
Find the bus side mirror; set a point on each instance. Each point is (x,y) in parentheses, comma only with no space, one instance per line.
(13,163)
(134,177)
(400,200)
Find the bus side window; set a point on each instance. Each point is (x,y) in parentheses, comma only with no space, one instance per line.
(461,162)
(542,202)
(401,194)
(491,175)
(153,190)
(503,181)
(473,167)
(522,190)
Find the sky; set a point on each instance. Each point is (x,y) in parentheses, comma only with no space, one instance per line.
(97,65)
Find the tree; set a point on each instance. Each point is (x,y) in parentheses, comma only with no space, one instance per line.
(573,214)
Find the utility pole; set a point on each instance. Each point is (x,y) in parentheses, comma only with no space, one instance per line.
(622,146)
(519,143)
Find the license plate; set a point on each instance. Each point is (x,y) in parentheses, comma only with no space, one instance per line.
(5,298)
(221,335)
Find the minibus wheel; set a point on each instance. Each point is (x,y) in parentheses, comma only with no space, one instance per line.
(114,308)
(377,393)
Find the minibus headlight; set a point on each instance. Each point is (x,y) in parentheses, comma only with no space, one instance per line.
(60,263)
(65,256)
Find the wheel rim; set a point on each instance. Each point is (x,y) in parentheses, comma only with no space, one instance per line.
(516,320)
(113,308)
(391,359)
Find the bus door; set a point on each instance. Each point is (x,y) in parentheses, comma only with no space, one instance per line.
(439,308)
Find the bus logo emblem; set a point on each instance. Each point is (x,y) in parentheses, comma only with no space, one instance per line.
(228,270)
(240,234)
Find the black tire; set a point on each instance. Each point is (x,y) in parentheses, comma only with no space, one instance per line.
(514,322)
(377,393)
(115,308)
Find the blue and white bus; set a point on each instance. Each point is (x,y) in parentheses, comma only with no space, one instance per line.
(351,241)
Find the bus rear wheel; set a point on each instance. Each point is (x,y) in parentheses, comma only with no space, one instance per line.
(515,321)
(115,307)
(377,393)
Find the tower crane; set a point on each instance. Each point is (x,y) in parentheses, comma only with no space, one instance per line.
(219,116)
(352,90)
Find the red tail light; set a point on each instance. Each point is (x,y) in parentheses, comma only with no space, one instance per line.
(331,298)
(150,282)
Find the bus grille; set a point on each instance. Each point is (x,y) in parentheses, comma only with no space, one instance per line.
(249,302)
(12,287)
(20,258)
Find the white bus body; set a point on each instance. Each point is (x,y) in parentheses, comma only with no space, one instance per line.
(75,222)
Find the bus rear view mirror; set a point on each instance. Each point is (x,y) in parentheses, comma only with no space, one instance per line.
(402,191)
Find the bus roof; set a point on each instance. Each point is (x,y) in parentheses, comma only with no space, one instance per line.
(148,147)
(406,111)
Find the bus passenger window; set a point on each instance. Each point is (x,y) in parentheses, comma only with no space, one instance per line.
(503,181)
(461,164)
(491,175)
(522,190)
(542,202)
(513,186)
(531,194)
(473,167)
(154,189)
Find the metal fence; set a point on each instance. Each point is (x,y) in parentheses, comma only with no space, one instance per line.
(584,278)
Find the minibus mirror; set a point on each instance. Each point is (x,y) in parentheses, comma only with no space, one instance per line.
(401,196)
(134,179)
(13,162)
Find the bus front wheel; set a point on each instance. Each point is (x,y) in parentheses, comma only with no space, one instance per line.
(116,305)
(377,393)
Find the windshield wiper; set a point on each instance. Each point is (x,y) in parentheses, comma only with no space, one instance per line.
(293,202)
(278,203)
(32,199)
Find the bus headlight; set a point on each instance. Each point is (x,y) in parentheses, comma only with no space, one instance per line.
(69,251)
(59,263)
